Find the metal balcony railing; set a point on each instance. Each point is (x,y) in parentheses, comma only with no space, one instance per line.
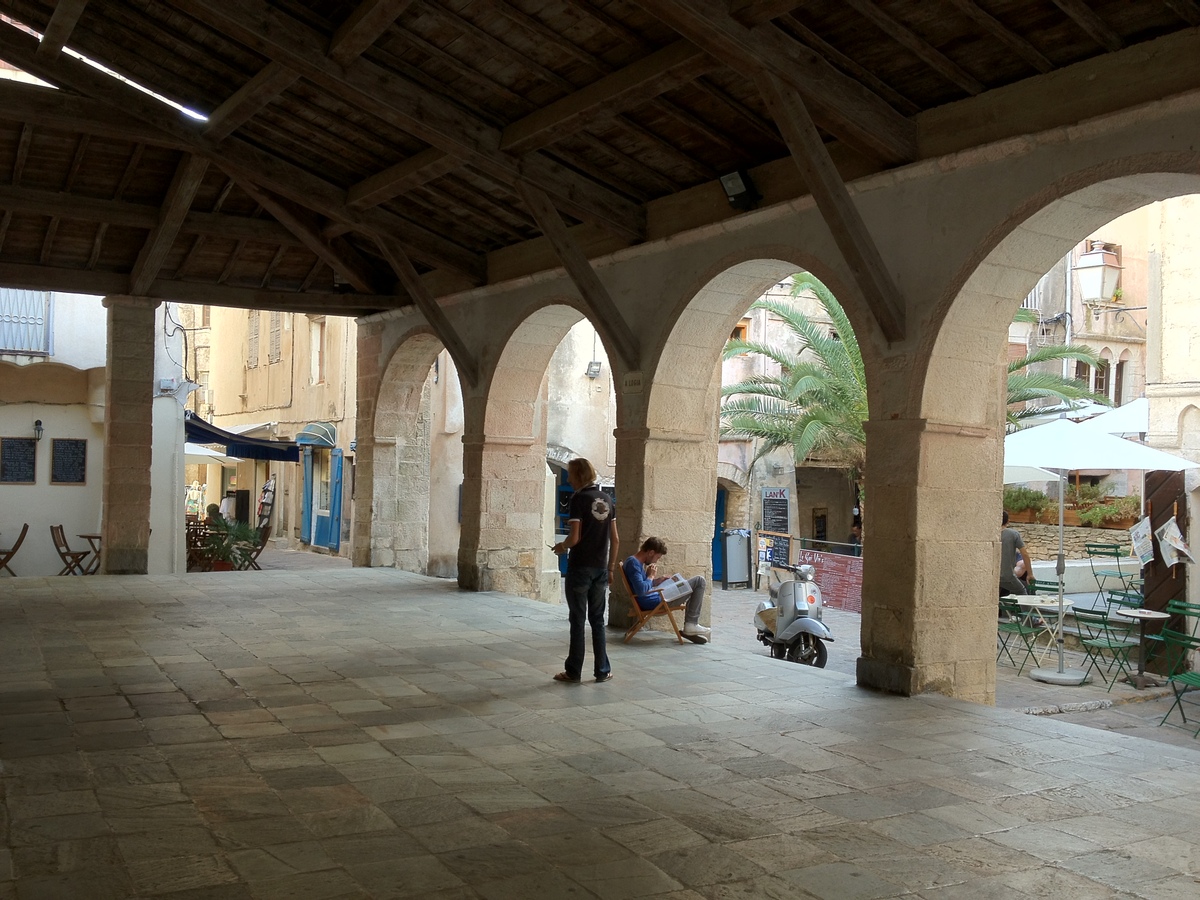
(25,322)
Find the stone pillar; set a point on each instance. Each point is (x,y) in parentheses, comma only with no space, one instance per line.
(369,376)
(931,559)
(128,435)
(502,508)
(665,487)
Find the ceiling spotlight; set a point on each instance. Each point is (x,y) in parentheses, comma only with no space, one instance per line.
(740,190)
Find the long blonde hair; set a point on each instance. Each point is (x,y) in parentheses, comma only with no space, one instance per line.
(581,471)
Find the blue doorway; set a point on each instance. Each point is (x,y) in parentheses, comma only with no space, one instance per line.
(718,558)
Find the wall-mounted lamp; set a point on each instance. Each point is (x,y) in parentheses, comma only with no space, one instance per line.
(37,429)
(1099,272)
(593,369)
(740,190)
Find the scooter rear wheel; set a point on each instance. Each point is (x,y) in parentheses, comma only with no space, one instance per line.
(779,651)
(809,651)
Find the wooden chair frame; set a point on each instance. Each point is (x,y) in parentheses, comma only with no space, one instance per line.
(72,559)
(642,616)
(264,535)
(7,555)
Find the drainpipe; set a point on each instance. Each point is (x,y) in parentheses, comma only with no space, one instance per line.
(1070,302)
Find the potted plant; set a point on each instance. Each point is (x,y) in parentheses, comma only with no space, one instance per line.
(230,544)
(1024,504)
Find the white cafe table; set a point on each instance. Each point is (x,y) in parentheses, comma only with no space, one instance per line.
(1047,608)
(1141,680)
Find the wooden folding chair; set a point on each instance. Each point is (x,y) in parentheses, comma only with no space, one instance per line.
(642,616)
(7,555)
(72,559)
(264,535)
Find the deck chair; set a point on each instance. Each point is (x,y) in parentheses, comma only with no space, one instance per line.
(7,555)
(1015,634)
(1104,560)
(1107,642)
(72,559)
(1179,647)
(264,535)
(642,616)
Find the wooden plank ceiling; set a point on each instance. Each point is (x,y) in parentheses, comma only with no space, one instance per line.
(356,156)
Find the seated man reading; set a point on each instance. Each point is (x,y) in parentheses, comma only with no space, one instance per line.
(642,571)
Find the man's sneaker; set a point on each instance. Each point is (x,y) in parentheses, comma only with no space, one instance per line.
(691,630)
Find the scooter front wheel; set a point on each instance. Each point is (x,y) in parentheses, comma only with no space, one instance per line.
(779,651)
(809,651)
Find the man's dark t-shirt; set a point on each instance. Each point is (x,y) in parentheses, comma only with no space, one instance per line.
(594,509)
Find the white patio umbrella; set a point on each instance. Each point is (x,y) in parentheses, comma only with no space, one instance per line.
(199,455)
(1065,445)
(1132,418)
(1021,474)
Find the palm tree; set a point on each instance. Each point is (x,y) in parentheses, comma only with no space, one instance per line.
(817,403)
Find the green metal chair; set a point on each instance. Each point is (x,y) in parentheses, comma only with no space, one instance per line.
(1178,609)
(1104,560)
(1107,643)
(1178,647)
(1124,600)
(1016,631)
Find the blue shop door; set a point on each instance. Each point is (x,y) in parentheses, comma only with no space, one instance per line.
(718,558)
(563,497)
(306,495)
(327,500)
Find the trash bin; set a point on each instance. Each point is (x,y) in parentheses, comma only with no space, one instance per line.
(736,546)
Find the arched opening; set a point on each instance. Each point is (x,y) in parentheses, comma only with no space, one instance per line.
(417,461)
(957,451)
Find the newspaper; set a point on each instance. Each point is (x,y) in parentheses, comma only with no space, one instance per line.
(674,588)
(1143,543)
(1171,543)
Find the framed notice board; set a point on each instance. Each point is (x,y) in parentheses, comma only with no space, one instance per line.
(18,460)
(68,461)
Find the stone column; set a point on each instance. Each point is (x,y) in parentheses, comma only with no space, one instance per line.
(931,561)
(367,384)
(128,435)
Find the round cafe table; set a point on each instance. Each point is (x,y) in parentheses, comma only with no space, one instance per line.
(1047,607)
(1141,680)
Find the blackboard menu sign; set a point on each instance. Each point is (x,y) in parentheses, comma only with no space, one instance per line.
(18,460)
(774,549)
(68,461)
(775,510)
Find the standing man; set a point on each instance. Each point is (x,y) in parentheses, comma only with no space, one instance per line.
(591,548)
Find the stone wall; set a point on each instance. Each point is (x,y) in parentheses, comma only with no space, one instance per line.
(1042,540)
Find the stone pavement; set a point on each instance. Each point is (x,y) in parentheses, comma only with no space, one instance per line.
(372,733)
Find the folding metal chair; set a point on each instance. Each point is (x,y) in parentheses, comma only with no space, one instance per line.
(1102,558)
(1017,629)
(7,555)
(1107,643)
(1178,647)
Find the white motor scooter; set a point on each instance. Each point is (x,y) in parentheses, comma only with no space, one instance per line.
(789,622)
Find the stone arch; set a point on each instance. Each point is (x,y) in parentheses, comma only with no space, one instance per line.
(952,437)
(508,488)
(400,435)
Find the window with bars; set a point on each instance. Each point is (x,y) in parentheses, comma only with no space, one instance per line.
(252,340)
(275,338)
(25,322)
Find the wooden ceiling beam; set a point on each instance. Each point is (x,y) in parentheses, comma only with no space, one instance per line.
(998,30)
(846,108)
(837,207)
(253,163)
(755,12)
(418,169)
(22,154)
(636,84)
(244,103)
(468,366)
(1188,10)
(25,276)
(188,176)
(1091,24)
(606,316)
(411,107)
(36,105)
(58,29)
(919,47)
(336,252)
(363,27)
(806,35)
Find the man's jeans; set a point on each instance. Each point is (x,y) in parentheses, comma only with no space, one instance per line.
(585,600)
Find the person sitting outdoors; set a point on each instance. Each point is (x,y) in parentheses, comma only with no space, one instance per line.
(641,570)
(214,514)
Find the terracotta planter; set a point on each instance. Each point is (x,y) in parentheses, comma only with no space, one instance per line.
(1022,517)
(222,565)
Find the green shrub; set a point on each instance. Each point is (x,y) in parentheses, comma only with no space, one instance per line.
(1113,510)
(1017,499)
